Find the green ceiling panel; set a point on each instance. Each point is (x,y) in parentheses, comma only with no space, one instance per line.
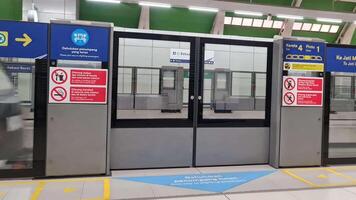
(181,19)
(328,5)
(250,31)
(123,15)
(328,37)
(11,10)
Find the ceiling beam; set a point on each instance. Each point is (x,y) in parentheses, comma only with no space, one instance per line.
(144,22)
(287,29)
(266,9)
(347,32)
(218,26)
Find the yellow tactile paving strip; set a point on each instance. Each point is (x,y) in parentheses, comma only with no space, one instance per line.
(40,185)
(323,175)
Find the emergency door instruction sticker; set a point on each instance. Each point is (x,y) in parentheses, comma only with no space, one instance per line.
(302,91)
(76,85)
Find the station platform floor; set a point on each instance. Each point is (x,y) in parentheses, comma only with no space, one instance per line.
(207,183)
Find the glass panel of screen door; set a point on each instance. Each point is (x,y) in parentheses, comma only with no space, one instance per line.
(234,82)
(153,79)
(342,124)
(16,116)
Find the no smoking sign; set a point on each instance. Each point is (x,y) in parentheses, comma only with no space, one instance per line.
(59,94)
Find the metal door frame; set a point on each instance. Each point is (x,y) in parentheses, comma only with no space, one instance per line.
(152,123)
(39,127)
(326,160)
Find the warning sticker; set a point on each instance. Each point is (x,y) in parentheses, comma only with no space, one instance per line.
(302,91)
(299,66)
(58,94)
(76,85)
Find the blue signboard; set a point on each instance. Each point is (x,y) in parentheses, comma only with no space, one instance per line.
(341,59)
(18,68)
(306,52)
(23,39)
(217,182)
(76,42)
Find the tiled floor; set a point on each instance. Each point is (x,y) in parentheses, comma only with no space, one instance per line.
(333,183)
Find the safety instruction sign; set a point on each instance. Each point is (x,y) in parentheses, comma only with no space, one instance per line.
(75,85)
(302,66)
(302,91)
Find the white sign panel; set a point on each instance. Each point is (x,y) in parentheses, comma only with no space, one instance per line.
(183,56)
(78,85)
(302,91)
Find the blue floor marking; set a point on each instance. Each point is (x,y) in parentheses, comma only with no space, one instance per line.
(215,182)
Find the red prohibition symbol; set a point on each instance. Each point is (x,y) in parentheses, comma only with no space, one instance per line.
(289,98)
(59,76)
(58,94)
(289,84)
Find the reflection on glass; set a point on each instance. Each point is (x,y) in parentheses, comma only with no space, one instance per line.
(235,82)
(16,134)
(153,79)
(342,125)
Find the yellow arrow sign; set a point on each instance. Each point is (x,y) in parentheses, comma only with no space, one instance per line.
(26,40)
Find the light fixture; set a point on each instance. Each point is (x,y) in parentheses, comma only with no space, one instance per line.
(290,17)
(328,20)
(334,29)
(237,21)
(297,26)
(106,1)
(249,13)
(325,28)
(306,26)
(316,27)
(151,4)
(227,20)
(247,22)
(277,24)
(205,9)
(257,22)
(267,23)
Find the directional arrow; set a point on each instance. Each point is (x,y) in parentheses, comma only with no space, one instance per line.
(26,40)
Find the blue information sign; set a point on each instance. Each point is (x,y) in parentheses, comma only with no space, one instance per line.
(301,51)
(217,182)
(341,59)
(77,42)
(23,39)
(18,68)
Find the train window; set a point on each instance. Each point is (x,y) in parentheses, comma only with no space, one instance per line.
(237,87)
(153,79)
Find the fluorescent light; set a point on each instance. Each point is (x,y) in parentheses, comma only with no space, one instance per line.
(257,22)
(277,24)
(160,5)
(337,21)
(334,29)
(237,21)
(227,20)
(106,1)
(325,28)
(267,23)
(248,13)
(290,17)
(247,22)
(316,27)
(205,9)
(297,26)
(306,26)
